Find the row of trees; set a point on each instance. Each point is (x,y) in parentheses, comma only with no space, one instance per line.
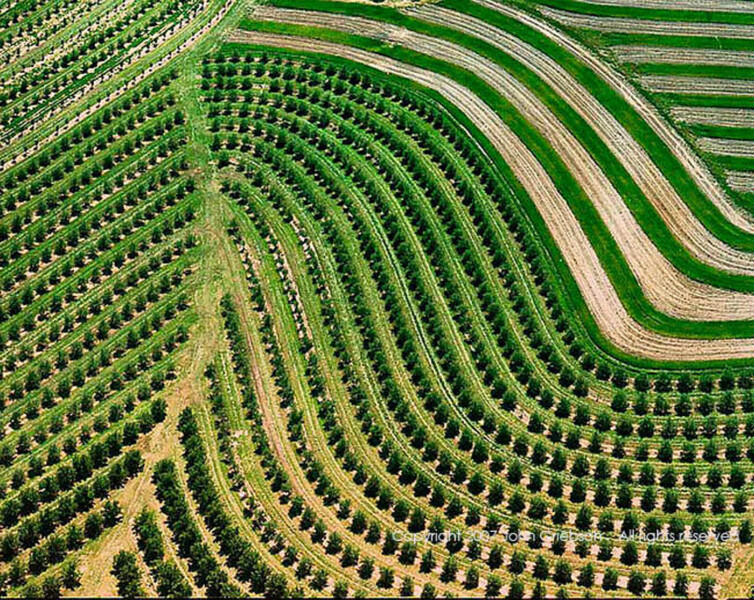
(597,448)
(517,446)
(187,535)
(62,508)
(332,543)
(44,87)
(80,468)
(87,130)
(57,213)
(97,390)
(25,314)
(63,376)
(357,83)
(170,581)
(292,150)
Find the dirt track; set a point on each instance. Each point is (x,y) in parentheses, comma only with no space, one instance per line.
(671,84)
(582,260)
(726,147)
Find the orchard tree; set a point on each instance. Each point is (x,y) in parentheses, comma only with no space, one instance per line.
(128,575)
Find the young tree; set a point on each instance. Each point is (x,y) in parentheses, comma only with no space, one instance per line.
(516,590)
(170,582)
(126,571)
(636,583)
(429,592)
(707,589)
(472,578)
(494,585)
(659,584)
(51,587)
(681,586)
(407,588)
(71,577)
(340,590)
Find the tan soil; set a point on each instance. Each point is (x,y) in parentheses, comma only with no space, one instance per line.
(722,117)
(727,147)
(717,5)
(683,56)
(670,84)
(741,181)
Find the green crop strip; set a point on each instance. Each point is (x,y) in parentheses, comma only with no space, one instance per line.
(735,163)
(695,70)
(635,300)
(718,131)
(711,100)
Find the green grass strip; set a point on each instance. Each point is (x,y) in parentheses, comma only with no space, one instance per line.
(707,100)
(627,287)
(695,70)
(746,199)
(734,163)
(675,41)
(722,132)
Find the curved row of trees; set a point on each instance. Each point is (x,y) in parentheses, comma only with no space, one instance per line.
(314,148)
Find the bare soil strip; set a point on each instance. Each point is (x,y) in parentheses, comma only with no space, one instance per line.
(716,5)
(741,181)
(673,84)
(581,258)
(620,25)
(711,115)
(683,56)
(727,147)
